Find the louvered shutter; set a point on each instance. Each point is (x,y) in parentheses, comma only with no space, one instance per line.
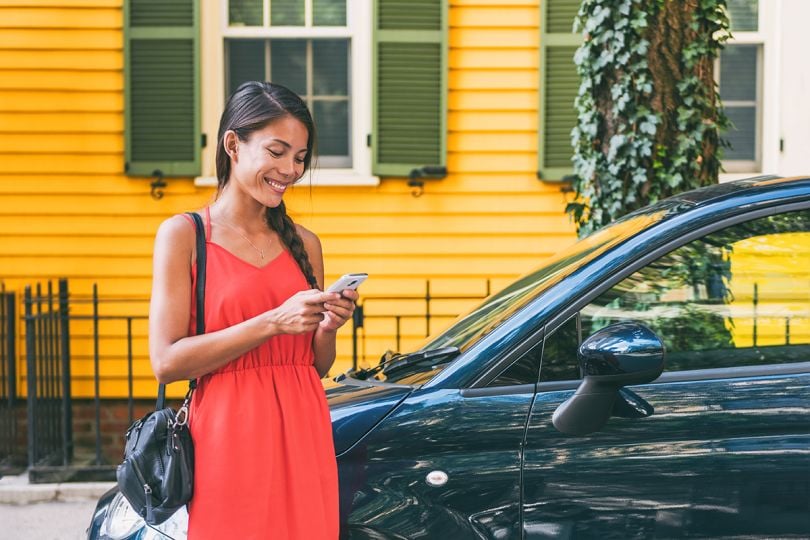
(410,85)
(560,83)
(162,91)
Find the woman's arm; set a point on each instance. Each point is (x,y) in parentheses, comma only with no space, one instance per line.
(338,308)
(174,354)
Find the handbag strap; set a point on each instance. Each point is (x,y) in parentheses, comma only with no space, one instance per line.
(201,263)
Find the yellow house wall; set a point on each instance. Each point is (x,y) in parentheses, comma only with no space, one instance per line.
(67,210)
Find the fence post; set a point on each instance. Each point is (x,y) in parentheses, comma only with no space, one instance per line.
(96,374)
(756,301)
(64,353)
(11,345)
(357,322)
(31,375)
(427,307)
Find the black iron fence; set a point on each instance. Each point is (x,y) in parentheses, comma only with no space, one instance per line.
(47,355)
(81,438)
(78,434)
(377,308)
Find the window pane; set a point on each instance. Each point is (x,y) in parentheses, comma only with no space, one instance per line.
(560,354)
(738,73)
(332,122)
(245,62)
(288,64)
(742,135)
(329,12)
(524,371)
(245,12)
(287,13)
(330,58)
(726,300)
(743,15)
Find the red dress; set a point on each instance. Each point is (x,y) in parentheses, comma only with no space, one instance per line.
(264,457)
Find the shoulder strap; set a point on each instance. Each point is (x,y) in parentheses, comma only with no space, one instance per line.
(200,293)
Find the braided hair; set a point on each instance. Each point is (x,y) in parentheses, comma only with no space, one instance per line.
(279,221)
(251,107)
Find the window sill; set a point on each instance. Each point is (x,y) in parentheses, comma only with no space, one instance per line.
(319,177)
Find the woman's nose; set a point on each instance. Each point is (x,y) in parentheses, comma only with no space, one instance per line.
(287,167)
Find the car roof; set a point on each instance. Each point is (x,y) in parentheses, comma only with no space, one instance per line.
(726,189)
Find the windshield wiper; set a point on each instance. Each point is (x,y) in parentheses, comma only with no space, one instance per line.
(392,362)
(431,356)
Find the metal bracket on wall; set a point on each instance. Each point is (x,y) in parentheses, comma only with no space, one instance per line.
(416,178)
(158,185)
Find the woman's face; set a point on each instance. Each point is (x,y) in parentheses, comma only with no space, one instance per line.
(270,160)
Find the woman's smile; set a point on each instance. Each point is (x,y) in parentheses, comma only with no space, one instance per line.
(278,187)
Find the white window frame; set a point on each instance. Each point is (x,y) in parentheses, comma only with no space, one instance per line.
(358,29)
(766,36)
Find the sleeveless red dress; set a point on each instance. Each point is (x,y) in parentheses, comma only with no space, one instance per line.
(264,456)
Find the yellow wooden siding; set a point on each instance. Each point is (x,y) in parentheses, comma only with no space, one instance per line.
(66,209)
(779,267)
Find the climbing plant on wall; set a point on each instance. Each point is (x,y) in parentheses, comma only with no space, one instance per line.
(649,113)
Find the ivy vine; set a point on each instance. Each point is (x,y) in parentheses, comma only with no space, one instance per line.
(649,113)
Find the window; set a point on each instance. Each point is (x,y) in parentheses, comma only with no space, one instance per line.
(740,83)
(560,353)
(729,299)
(524,371)
(373,72)
(305,46)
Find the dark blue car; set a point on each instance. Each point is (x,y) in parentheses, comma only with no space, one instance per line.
(651,381)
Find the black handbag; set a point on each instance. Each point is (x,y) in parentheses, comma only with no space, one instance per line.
(157,474)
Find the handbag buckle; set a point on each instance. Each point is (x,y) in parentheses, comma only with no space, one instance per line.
(182,416)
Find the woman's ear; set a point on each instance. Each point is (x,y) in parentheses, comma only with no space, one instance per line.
(231,143)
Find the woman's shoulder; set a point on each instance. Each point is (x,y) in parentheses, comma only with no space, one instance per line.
(306,235)
(178,232)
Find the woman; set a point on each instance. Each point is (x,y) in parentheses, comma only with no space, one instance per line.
(264,457)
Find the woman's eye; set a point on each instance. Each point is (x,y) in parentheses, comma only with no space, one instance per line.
(274,154)
(299,160)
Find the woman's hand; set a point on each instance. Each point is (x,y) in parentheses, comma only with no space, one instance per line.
(302,312)
(339,309)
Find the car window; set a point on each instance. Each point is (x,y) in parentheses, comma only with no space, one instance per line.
(560,353)
(523,371)
(739,296)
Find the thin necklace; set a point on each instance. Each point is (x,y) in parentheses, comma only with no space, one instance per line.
(259,251)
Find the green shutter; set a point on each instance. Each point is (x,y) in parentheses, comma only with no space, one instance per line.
(162,91)
(410,86)
(560,83)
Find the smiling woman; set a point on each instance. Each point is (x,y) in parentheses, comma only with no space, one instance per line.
(264,455)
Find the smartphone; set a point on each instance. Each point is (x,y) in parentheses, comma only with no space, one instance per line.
(347,281)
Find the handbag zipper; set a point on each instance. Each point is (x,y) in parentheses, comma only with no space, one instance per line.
(147,490)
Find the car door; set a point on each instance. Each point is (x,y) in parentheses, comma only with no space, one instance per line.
(725,451)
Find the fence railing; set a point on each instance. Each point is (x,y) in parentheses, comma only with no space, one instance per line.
(72,438)
(426,302)
(56,451)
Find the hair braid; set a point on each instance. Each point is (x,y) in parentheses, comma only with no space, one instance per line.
(279,221)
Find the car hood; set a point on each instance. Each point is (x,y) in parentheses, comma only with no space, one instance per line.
(357,406)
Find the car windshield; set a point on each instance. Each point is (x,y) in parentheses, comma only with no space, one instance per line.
(466,330)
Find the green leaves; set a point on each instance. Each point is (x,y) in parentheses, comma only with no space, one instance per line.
(648,115)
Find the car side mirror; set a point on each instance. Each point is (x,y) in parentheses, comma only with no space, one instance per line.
(620,354)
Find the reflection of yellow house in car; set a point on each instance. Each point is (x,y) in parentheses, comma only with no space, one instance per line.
(770,293)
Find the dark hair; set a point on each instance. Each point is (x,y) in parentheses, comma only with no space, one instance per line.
(251,107)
